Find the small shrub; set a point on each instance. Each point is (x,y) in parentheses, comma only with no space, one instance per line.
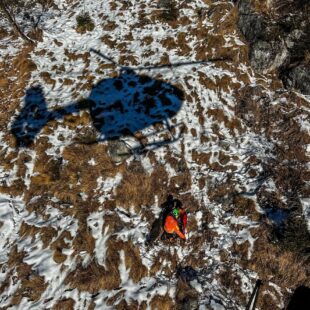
(169,10)
(3,33)
(84,23)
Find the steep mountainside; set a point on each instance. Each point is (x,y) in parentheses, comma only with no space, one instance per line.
(118,104)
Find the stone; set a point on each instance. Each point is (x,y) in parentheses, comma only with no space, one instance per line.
(251,26)
(118,151)
(299,78)
(265,56)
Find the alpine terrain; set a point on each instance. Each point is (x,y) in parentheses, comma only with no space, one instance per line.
(110,107)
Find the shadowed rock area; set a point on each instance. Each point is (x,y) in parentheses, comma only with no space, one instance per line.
(279,36)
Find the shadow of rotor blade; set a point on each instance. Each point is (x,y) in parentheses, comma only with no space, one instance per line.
(180,64)
(154,145)
(103,56)
(163,130)
(158,67)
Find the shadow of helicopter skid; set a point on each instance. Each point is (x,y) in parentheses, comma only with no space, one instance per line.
(118,106)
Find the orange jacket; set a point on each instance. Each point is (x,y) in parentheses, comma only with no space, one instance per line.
(171,226)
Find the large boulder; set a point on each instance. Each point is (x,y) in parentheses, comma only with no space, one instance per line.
(298,78)
(266,56)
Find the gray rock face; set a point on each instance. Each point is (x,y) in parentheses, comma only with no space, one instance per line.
(263,55)
(250,24)
(299,78)
(280,42)
(190,304)
(266,46)
(118,151)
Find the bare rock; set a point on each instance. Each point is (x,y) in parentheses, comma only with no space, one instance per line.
(298,78)
(250,23)
(279,41)
(267,55)
(118,151)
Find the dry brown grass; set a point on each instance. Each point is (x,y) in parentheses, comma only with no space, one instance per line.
(64,304)
(262,6)
(83,241)
(169,43)
(94,277)
(112,221)
(109,26)
(201,158)
(58,245)
(46,76)
(31,284)
(245,207)
(67,181)
(190,204)
(124,305)
(75,56)
(164,255)
(137,188)
(3,33)
(286,269)
(275,262)
(182,181)
(20,68)
(46,233)
(107,39)
(232,283)
(162,303)
(218,167)
(20,160)
(133,262)
(202,183)
(223,158)
(279,123)
(182,42)
(220,192)
(278,8)
(32,287)
(226,25)
(224,17)
(117,298)
(184,292)
(39,206)
(47,168)
(265,300)
(36,34)
(232,124)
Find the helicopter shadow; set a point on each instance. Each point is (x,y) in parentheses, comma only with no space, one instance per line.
(118,107)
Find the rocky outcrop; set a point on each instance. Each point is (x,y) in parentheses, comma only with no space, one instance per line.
(278,33)
(297,77)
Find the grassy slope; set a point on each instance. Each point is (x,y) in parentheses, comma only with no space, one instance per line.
(238,136)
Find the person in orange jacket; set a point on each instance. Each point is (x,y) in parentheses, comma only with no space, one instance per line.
(175,222)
